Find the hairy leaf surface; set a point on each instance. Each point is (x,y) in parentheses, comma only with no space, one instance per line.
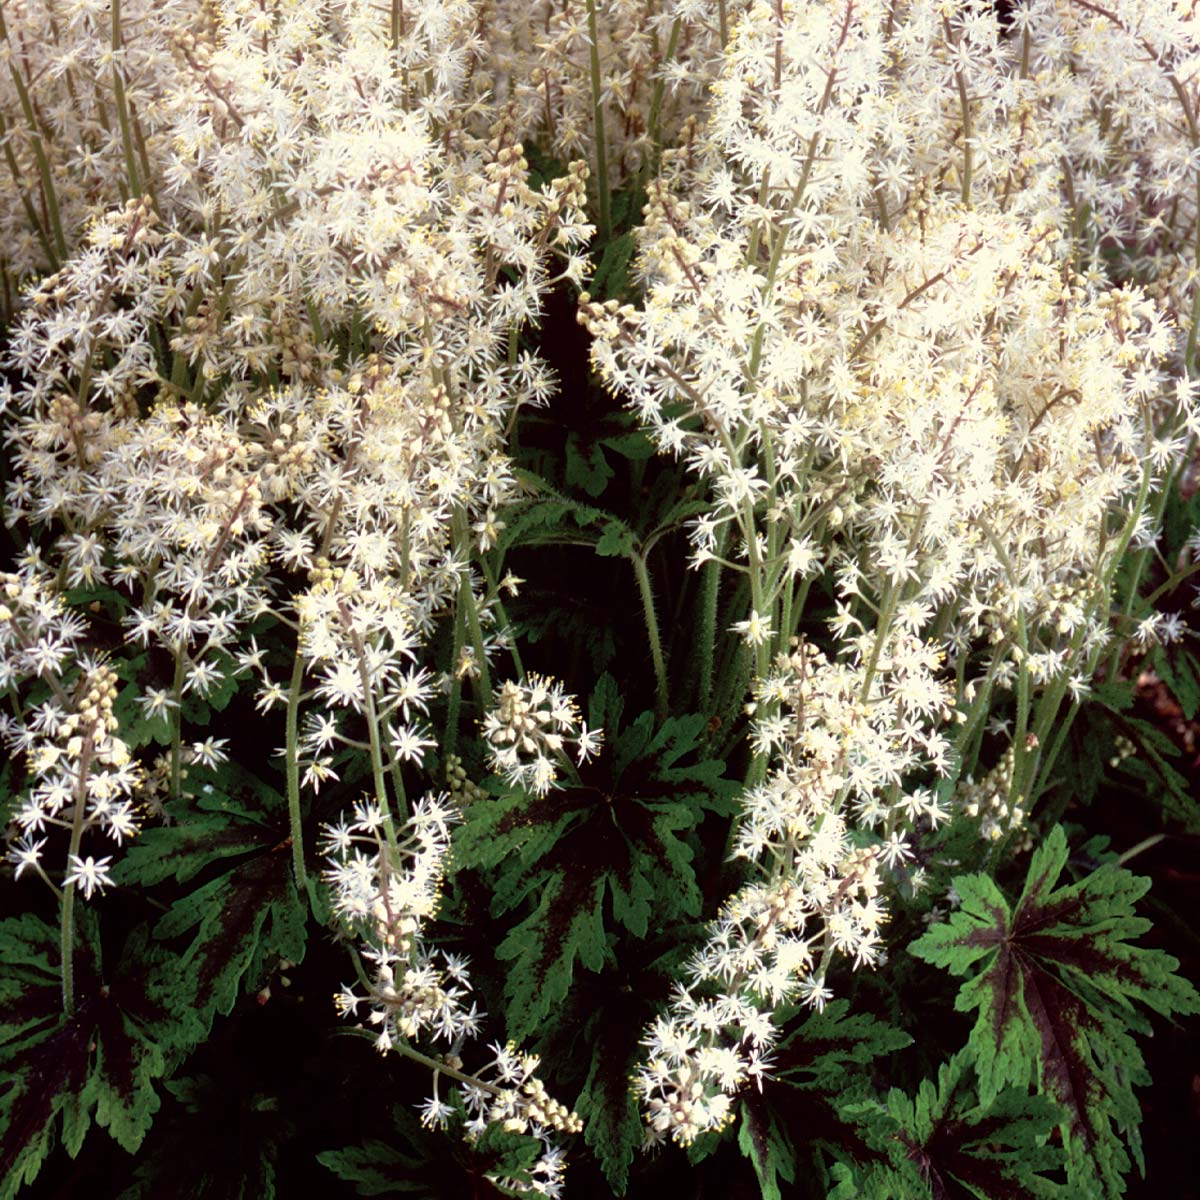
(99,1064)
(1056,981)
(621,834)
(246,913)
(944,1144)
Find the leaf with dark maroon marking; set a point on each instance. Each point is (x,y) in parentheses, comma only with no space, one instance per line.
(246,913)
(613,1126)
(944,1144)
(582,862)
(1056,979)
(98,1064)
(427,1165)
(823,1066)
(764,1141)
(823,1050)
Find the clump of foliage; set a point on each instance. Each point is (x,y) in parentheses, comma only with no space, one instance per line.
(595,578)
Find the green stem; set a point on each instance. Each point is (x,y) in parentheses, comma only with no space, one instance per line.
(604,224)
(177,723)
(471,609)
(31,213)
(505,623)
(656,654)
(1139,562)
(466,599)
(293,772)
(67,927)
(709,596)
(372,716)
(1145,844)
(442,1069)
(39,151)
(654,123)
(131,171)
(454,701)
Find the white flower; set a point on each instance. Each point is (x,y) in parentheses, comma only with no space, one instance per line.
(90,873)
(590,741)
(26,853)
(156,701)
(210,752)
(409,744)
(756,629)
(813,991)
(435,1113)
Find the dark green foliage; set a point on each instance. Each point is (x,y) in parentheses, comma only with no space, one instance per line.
(1155,775)
(611,851)
(946,1143)
(60,1073)
(594,864)
(376,1169)
(613,1128)
(216,1165)
(246,914)
(1058,984)
(586,466)
(767,1146)
(1179,669)
(611,277)
(429,1165)
(822,1068)
(821,1053)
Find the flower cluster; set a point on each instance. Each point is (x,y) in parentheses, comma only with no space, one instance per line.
(837,736)
(101,89)
(915,301)
(990,801)
(386,888)
(82,776)
(613,78)
(529,729)
(873,326)
(207,475)
(258,391)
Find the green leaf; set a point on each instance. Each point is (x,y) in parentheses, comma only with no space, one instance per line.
(821,1053)
(824,1066)
(635,445)
(616,541)
(200,1115)
(548,517)
(612,1126)
(1167,786)
(611,276)
(1177,669)
(767,1146)
(943,1143)
(99,1064)
(376,1169)
(566,925)
(247,915)
(626,833)
(605,704)
(585,466)
(413,1161)
(1057,984)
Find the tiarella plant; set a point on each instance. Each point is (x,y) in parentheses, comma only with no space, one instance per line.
(664,530)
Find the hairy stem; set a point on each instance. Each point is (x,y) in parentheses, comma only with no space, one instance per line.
(67,926)
(604,229)
(293,772)
(656,653)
